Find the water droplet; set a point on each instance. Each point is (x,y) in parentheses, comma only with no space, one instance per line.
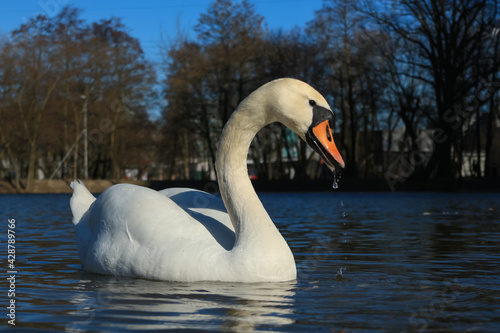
(343,214)
(335,183)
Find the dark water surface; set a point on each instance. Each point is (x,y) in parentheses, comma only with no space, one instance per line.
(367,262)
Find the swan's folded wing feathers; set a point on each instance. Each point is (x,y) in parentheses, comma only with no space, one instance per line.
(139,232)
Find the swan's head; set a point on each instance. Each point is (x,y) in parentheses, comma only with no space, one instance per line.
(305,111)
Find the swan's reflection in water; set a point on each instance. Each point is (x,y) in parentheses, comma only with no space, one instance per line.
(135,304)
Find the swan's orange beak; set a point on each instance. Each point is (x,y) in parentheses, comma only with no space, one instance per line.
(320,137)
(324,136)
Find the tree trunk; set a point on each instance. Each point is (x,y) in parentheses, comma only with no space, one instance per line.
(353,169)
(13,163)
(75,152)
(441,160)
(115,169)
(478,141)
(185,156)
(489,136)
(31,165)
(208,136)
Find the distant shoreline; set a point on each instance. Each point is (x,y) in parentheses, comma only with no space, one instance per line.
(345,185)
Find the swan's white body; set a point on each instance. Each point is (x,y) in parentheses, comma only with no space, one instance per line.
(187,235)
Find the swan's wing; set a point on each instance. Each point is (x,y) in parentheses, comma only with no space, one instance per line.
(142,208)
(140,232)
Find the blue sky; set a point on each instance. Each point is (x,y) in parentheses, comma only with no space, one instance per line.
(149,20)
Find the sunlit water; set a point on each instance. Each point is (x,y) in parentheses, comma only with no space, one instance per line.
(367,262)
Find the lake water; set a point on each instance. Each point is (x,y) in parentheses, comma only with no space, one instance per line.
(367,262)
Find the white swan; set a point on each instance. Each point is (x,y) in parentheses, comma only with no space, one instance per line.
(186,235)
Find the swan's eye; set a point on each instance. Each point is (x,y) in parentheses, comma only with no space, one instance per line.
(312,102)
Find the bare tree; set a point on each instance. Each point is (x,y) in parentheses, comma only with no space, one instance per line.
(46,68)
(36,81)
(449,38)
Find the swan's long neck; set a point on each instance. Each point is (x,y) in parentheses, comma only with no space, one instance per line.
(253,227)
(260,252)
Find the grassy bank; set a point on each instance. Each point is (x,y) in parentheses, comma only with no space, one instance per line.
(61,186)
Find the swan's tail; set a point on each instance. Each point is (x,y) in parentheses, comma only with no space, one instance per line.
(80,201)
